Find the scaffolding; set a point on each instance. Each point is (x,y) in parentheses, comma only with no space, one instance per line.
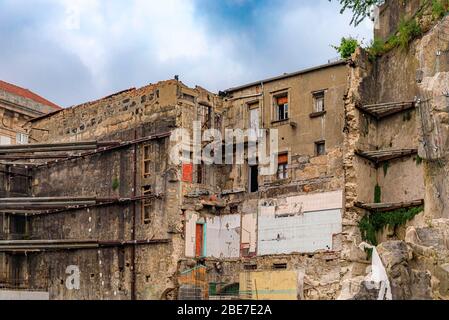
(72,244)
(387,207)
(382,110)
(379,156)
(18,160)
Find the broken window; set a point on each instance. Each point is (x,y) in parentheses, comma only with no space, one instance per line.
(147,205)
(320,148)
(318,101)
(281,111)
(253,179)
(205,116)
(200,173)
(147,151)
(283,166)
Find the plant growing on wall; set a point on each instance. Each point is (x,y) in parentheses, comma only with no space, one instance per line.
(347,47)
(372,223)
(386,166)
(377,194)
(115,184)
(440,8)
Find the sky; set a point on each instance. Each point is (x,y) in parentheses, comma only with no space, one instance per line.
(74,51)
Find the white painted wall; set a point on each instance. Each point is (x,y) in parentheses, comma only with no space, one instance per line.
(302,224)
(191,219)
(249,231)
(4,141)
(223,236)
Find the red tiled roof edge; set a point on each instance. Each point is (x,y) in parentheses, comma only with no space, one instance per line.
(25,93)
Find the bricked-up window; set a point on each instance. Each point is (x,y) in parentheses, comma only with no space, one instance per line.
(318,101)
(320,148)
(283,166)
(147,205)
(147,151)
(205,116)
(281,107)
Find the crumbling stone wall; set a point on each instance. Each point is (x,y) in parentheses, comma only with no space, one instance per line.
(416,74)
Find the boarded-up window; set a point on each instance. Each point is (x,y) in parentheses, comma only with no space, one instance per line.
(199,240)
(318,101)
(283,166)
(187,172)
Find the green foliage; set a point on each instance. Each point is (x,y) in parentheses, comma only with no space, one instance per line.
(360,8)
(347,47)
(439,8)
(418,160)
(377,194)
(386,166)
(407,31)
(371,224)
(115,184)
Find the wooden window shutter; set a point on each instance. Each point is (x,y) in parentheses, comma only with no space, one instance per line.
(283,158)
(282,100)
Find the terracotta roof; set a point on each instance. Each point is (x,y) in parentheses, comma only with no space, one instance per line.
(25,93)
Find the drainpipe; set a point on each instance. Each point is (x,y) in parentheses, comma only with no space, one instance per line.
(133,235)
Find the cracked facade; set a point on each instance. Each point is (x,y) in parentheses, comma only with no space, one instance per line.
(139,227)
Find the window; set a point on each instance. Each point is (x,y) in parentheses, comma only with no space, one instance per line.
(318,101)
(200,173)
(205,116)
(281,111)
(21,138)
(253,179)
(147,150)
(279,266)
(147,205)
(283,166)
(320,148)
(4,141)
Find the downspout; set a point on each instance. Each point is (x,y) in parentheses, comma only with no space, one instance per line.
(133,233)
(262,114)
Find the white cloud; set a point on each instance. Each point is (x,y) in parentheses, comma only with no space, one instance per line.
(131,43)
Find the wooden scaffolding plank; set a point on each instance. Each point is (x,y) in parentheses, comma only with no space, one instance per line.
(383,110)
(384,207)
(379,156)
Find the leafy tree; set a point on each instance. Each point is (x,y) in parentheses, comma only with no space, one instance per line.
(347,47)
(360,8)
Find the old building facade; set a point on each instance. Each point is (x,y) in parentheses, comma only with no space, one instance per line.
(17,106)
(100,210)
